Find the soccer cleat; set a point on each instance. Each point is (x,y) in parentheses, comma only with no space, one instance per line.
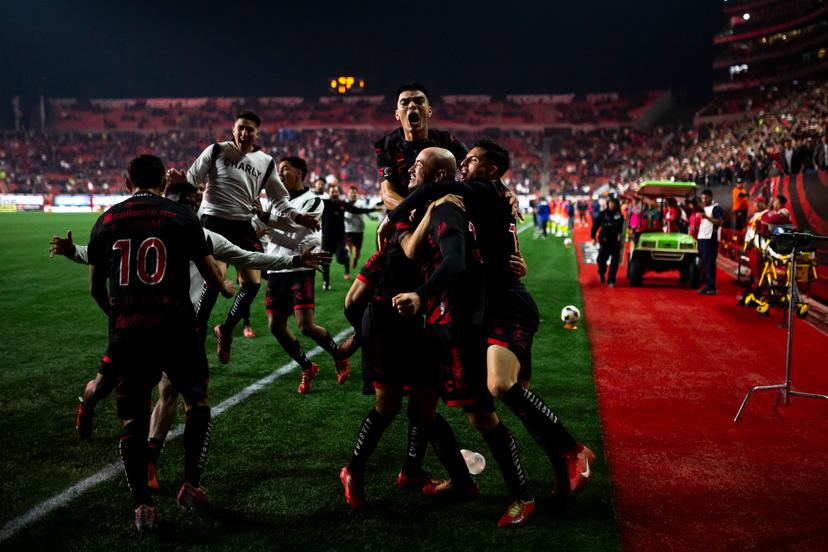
(84,420)
(343,371)
(152,478)
(414,482)
(223,343)
(249,332)
(354,488)
(517,514)
(436,487)
(307,378)
(191,497)
(145,519)
(577,463)
(326,287)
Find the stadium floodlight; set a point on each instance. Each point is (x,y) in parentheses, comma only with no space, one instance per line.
(746,16)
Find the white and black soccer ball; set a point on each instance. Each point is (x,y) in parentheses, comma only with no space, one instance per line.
(568,242)
(570,314)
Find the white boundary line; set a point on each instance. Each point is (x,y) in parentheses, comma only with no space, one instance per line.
(108,472)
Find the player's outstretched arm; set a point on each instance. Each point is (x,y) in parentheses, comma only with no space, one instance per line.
(67,247)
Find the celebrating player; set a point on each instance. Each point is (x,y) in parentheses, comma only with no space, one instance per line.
(143,246)
(238,171)
(291,291)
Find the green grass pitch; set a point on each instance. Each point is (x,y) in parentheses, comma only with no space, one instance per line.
(273,464)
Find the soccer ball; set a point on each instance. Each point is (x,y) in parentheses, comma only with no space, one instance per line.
(568,242)
(570,314)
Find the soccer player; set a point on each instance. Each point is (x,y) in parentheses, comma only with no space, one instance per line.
(396,153)
(354,230)
(333,229)
(394,354)
(291,291)
(143,246)
(511,322)
(166,409)
(238,171)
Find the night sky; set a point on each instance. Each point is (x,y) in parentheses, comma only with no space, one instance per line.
(233,48)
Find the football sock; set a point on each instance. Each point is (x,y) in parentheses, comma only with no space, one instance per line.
(133,449)
(504,449)
(417,445)
(154,447)
(370,432)
(196,440)
(328,344)
(107,383)
(448,452)
(206,302)
(241,306)
(296,352)
(540,421)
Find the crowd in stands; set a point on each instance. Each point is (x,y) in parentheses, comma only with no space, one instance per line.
(782,137)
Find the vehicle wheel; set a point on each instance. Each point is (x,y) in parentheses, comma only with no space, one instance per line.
(694,274)
(636,272)
(684,270)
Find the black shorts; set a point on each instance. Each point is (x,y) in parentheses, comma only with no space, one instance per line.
(512,321)
(393,347)
(286,290)
(459,352)
(354,239)
(138,365)
(239,232)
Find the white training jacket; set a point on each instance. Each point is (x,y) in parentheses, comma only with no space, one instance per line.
(223,250)
(288,238)
(235,181)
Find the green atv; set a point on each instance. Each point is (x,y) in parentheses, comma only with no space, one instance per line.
(658,251)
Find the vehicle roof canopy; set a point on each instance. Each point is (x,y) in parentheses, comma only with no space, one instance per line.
(668,188)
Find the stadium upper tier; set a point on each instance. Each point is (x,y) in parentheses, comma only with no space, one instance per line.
(769,42)
(516,112)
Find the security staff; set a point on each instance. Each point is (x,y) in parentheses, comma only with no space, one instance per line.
(606,232)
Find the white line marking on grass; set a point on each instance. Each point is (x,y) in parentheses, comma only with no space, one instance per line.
(108,472)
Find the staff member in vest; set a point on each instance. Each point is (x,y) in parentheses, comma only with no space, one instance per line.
(710,231)
(606,232)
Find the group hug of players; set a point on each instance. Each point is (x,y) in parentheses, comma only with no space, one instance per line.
(439,310)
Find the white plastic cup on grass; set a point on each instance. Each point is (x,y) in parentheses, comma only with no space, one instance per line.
(475,462)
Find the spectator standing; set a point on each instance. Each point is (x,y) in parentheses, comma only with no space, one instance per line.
(710,230)
(740,206)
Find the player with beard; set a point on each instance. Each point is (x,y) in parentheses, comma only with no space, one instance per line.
(143,246)
(511,319)
(238,171)
(166,408)
(291,291)
(394,353)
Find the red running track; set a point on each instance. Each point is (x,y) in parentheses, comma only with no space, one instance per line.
(671,368)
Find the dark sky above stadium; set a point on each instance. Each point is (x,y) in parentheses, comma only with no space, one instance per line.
(155,48)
